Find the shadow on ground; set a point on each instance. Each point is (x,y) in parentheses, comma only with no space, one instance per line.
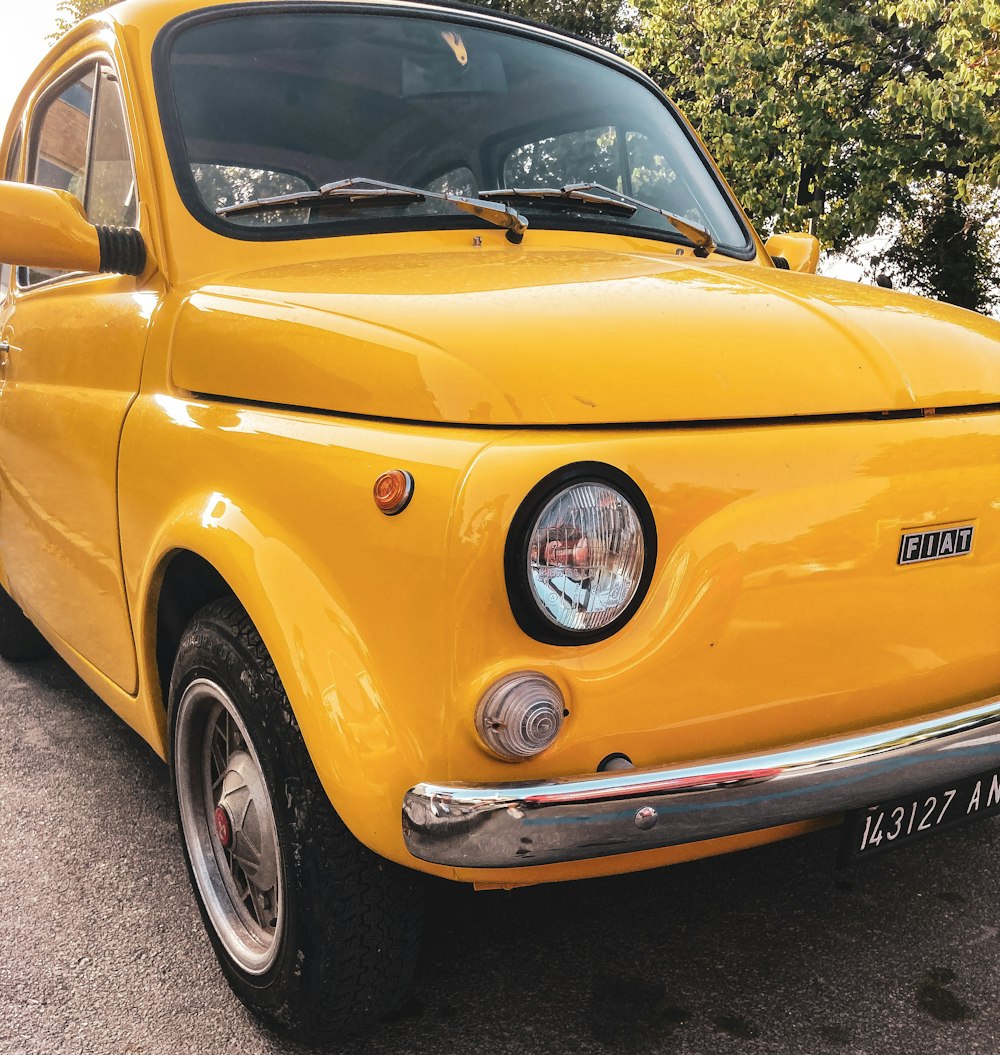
(772,950)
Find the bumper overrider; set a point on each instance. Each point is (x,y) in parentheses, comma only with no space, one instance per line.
(598,815)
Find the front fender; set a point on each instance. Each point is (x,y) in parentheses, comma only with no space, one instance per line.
(280,505)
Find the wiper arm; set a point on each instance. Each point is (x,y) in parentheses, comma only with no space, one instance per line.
(584,194)
(703,241)
(329,195)
(572,197)
(362,191)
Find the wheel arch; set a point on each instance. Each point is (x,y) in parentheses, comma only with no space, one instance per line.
(319,656)
(188,583)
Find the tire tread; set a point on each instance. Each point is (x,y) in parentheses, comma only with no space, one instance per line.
(365,913)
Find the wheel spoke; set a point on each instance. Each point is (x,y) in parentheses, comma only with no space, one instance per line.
(250,844)
(255,906)
(245,860)
(219,758)
(240,879)
(223,772)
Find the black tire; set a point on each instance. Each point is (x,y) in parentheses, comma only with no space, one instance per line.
(20,642)
(347,933)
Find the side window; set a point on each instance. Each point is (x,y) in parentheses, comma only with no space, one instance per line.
(61,135)
(625,161)
(591,155)
(81,145)
(455,181)
(655,181)
(110,200)
(222,185)
(10,173)
(459,180)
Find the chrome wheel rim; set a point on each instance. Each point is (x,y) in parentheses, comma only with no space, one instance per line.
(228,824)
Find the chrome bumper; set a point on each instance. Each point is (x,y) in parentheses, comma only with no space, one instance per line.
(513,825)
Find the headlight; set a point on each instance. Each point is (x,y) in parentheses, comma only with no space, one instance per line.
(580,555)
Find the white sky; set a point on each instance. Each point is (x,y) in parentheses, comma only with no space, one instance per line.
(26,24)
(834,265)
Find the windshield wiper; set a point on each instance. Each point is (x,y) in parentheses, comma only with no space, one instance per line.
(369,192)
(583,193)
(578,198)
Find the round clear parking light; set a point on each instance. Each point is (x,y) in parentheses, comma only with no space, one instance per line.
(520,715)
(586,554)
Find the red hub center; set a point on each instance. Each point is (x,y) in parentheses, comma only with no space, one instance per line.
(223,828)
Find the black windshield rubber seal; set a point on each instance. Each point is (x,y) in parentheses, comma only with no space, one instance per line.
(461,13)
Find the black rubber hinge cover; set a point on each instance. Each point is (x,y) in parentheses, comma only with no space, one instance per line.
(123,250)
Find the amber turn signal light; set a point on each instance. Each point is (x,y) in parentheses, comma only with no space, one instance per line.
(393,491)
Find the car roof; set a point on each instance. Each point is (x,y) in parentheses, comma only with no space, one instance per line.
(151,14)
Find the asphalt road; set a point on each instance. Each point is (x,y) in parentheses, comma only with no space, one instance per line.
(102,951)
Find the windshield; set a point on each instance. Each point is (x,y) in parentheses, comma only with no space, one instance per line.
(260,104)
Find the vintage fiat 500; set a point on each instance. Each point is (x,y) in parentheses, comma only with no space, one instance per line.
(405,431)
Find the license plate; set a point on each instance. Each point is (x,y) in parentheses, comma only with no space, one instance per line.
(870,831)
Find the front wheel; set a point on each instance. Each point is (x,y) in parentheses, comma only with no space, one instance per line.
(313,931)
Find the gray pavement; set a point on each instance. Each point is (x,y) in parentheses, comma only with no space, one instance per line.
(102,950)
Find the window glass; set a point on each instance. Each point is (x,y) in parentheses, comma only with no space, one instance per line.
(421,101)
(61,153)
(61,141)
(111,185)
(11,172)
(82,146)
(457,181)
(588,156)
(630,162)
(222,185)
(655,180)
(461,181)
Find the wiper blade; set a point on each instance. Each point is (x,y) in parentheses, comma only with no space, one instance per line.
(584,194)
(369,192)
(571,197)
(333,194)
(703,241)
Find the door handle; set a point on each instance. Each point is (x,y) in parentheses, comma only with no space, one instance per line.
(4,353)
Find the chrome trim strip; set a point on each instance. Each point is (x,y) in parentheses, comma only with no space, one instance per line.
(571,819)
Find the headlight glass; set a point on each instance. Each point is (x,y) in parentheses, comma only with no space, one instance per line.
(586,554)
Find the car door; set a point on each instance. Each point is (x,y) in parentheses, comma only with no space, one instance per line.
(75,346)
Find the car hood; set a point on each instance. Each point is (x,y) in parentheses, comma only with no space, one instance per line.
(543,335)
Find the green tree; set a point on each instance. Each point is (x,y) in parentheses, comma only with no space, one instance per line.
(600,21)
(69,12)
(833,111)
(948,249)
(596,20)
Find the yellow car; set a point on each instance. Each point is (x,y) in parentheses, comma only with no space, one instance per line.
(404,430)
